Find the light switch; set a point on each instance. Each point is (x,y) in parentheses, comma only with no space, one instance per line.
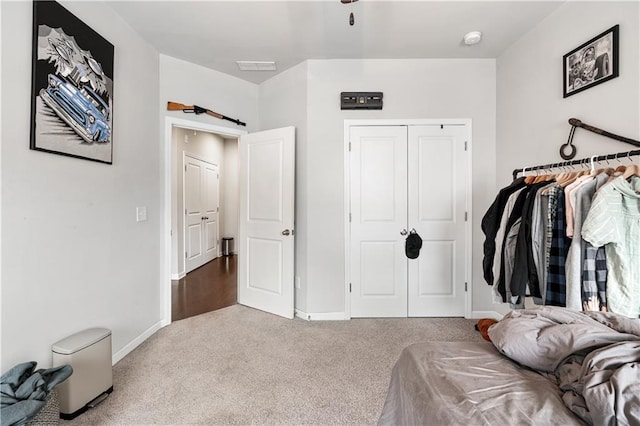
(141,214)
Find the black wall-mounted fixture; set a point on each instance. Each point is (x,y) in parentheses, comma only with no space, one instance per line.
(361,100)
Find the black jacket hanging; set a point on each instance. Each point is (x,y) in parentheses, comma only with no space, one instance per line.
(491,223)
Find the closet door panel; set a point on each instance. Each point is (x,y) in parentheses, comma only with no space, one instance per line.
(378,269)
(437,176)
(378,215)
(378,184)
(436,260)
(436,179)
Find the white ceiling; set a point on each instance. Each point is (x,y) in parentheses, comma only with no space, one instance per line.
(216,34)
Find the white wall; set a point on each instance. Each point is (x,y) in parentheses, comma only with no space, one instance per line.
(73,254)
(283,102)
(413,89)
(531,112)
(204,146)
(191,84)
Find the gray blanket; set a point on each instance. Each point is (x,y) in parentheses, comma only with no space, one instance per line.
(594,357)
(23,391)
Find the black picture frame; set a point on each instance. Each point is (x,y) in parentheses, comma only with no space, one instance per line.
(591,63)
(72,86)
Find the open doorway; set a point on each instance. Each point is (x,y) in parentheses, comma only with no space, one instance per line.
(201,208)
(265,171)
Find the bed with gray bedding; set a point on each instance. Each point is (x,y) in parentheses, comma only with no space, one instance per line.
(545,366)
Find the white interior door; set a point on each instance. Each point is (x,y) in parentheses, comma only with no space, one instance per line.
(201,200)
(378,215)
(437,208)
(266,242)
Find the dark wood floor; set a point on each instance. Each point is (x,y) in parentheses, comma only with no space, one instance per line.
(210,287)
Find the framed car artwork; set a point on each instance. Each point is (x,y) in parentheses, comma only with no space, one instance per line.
(72,86)
(591,63)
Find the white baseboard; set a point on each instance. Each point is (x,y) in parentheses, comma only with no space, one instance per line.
(486,314)
(323,316)
(135,342)
(176,277)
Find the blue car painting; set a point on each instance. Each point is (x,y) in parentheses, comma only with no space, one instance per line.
(81,108)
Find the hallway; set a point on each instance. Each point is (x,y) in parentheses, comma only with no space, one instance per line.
(210,287)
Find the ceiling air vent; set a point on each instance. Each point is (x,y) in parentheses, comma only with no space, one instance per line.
(256,65)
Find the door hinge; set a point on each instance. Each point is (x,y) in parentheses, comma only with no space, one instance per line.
(349,287)
(185,167)
(465,286)
(186,255)
(465,216)
(217,209)
(349,217)
(465,145)
(349,146)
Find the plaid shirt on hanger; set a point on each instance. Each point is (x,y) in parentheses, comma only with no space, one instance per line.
(551,217)
(594,279)
(556,281)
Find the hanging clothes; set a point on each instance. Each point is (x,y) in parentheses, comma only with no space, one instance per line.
(515,215)
(556,277)
(525,274)
(539,241)
(491,223)
(499,243)
(614,221)
(594,279)
(574,242)
(575,258)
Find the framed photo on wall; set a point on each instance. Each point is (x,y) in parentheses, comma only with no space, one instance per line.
(72,86)
(591,63)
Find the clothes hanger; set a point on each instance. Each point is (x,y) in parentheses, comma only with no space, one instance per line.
(541,178)
(621,167)
(570,178)
(529,179)
(631,170)
(607,170)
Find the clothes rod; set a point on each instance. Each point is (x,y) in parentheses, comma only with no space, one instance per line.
(583,161)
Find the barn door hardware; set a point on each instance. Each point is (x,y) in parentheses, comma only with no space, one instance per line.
(577,123)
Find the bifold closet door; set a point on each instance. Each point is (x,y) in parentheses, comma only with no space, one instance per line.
(378,215)
(438,176)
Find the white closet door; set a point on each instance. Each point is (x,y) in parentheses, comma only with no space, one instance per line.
(194,213)
(211,204)
(379,214)
(438,175)
(201,200)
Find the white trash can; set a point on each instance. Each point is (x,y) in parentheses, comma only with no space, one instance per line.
(89,354)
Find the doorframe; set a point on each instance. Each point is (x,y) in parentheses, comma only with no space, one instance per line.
(347,198)
(165,222)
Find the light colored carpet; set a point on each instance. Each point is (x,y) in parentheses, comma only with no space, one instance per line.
(242,366)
